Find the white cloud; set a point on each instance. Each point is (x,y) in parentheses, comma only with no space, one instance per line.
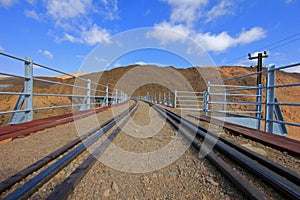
(65,9)
(73,17)
(1,48)
(223,8)
(223,41)
(46,53)
(32,14)
(110,9)
(96,35)
(142,63)
(251,35)
(186,12)
(71,38)
(92,36)
(7,3)
(166,33)
(288,1)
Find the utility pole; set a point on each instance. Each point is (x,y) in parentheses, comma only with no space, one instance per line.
(259,58)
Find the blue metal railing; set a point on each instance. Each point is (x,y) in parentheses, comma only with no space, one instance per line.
(241,101)
(83,97)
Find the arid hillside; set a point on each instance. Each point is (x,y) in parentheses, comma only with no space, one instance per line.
(137,80)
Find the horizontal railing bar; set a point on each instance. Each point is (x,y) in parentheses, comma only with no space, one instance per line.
(14,57)
(239,89)
(58,71)
(14,93)
(282,122)
(237,77)
(13,111)
(284,67)
(190,92)
(284,104)
(222,94)
(235,102)
(234,114)
(54,107)
(193,97)
(58,83)
(234,111)
(59,95)
(190,101)
(98,84)
(12,75)
(197,109)
(284,85)
(232,86)
(193,105)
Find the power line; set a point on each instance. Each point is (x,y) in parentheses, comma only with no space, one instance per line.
(284,44)
(270,45)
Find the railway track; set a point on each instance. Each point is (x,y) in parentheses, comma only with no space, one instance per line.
(286,144)
(52,164)
(273,175)
(227,156)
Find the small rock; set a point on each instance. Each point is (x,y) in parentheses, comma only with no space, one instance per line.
(106,193)
(154,175)
(101,181)
(211,181)
(255,149)
(115,187)
(188,163)
(196,175)
(171,173)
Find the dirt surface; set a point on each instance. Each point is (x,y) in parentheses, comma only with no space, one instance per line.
(282,158)
(186,177)
(21,152)
(147,160)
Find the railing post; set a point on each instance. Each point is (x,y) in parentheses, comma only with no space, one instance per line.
(88,95)
(155,99)
(224,101)
(207,99)
(204,101)
(259,105)
(106,94)
(175,98)
(159,98)
(116,97)
(270,99)
(105,102)
(169,98)
(28,88)
(165,99)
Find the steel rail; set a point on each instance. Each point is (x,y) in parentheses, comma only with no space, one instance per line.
(289,174)
(28,188)
(63,190)
(9,182)
(247,188)
(289,187)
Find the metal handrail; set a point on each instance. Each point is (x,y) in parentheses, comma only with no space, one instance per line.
(58,83)
(27,94)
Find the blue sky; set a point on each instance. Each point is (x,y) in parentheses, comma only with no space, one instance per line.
(61,33)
